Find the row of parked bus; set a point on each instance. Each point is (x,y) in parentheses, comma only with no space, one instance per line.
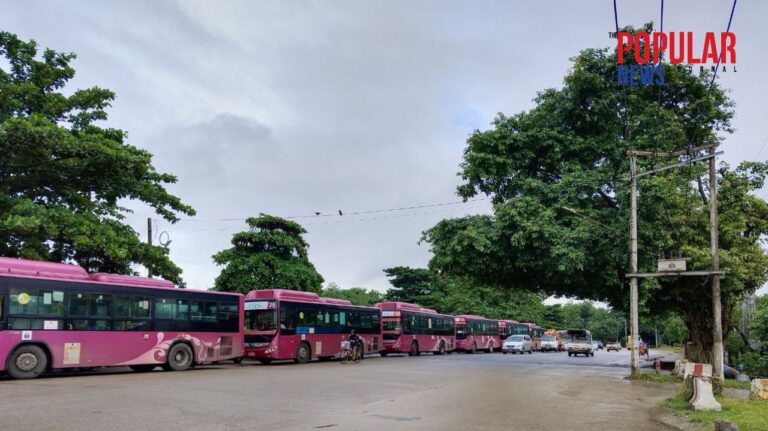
(56,316)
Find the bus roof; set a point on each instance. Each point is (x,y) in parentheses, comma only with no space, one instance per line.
(403,306)
(295,295)
(472,316)
(64,271)
(24,268)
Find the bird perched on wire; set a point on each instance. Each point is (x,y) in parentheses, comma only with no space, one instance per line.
(341,213)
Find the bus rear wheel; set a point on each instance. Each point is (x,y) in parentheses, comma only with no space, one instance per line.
(302,353)
(27,362)
(180,357)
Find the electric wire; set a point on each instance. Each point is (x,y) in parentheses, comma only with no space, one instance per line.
(346,214)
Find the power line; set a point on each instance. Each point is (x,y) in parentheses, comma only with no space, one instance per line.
(346,213)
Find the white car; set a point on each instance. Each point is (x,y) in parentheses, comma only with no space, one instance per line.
(517,344)
(549,343)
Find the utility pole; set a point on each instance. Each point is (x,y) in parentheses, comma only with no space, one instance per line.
(714,272)
(149,240)
(633,268)
(717,323)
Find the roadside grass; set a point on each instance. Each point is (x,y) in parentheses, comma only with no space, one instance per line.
(668,348)
(668,378)
(735,384)
(657,378)
(749,415)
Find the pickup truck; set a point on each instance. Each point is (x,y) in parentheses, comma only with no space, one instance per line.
(612,344)
(581,343)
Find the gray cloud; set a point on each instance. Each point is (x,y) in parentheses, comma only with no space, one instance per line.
(294,107)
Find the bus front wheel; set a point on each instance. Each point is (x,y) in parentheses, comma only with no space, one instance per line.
(302,353)
(27,362)
(180,357)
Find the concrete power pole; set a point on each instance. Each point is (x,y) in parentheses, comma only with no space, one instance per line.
(714,272)
(633,296)
(717,322)
(149,240)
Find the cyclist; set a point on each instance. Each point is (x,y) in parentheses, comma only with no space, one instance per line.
(355,343)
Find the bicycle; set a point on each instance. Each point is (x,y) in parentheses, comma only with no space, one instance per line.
(349,352)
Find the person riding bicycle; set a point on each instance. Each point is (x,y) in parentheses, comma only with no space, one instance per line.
(355,342)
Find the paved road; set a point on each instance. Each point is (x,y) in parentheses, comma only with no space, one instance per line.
(543,391)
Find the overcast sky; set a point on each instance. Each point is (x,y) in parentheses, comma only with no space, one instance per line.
(289,107)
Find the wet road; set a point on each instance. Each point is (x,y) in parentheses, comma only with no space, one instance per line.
(543,391)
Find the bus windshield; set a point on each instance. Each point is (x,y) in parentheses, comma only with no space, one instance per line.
(391,325)
(261,320)
(461,331)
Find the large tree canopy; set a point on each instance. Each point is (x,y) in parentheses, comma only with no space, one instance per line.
(271,254)
(460,295)
(557,175)
(62,177)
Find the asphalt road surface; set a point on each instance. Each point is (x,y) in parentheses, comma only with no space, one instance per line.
(542,391)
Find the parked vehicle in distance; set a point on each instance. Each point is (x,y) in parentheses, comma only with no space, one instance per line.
(408,328)
(517,344)
(612,344)
(475,333)
(550,343)
(292,325)
(581,343)
(55,316)
(598,345)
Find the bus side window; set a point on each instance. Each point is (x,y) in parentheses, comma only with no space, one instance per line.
(286,321)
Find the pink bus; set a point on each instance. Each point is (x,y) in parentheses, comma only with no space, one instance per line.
(506,328)
(532,330)
(292,325)
(55,316)
(408,328)
(475,333)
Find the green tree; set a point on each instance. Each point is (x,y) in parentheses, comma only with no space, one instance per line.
(356,295)
(62,177)
(412,285)
(759,329)
(271,254)
(568,153)
(673,329)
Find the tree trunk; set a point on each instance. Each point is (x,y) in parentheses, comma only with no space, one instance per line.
(700,332)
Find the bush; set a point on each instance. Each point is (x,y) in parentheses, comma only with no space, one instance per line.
(755,364)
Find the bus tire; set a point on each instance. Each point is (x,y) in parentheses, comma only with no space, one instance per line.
(143,368)
(303,354)
(414,349)
(27,362)
(180,357)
